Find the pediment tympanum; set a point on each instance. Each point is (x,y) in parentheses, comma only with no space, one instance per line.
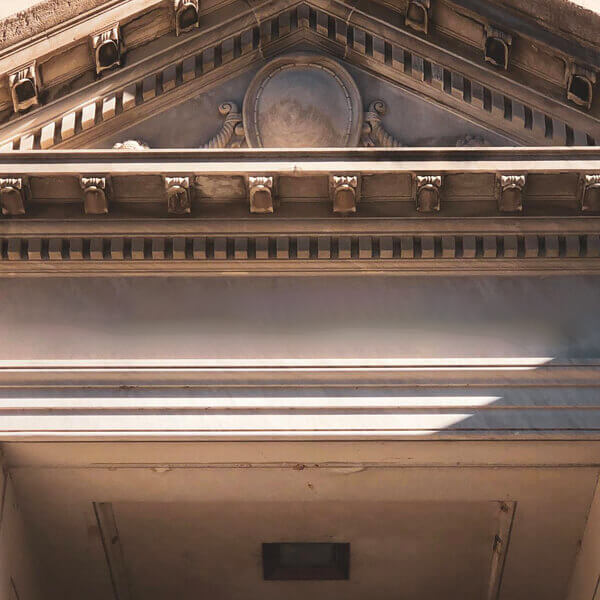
(302,101)
(306,100)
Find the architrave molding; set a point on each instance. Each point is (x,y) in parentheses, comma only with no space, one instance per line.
(541,372)
(509,399)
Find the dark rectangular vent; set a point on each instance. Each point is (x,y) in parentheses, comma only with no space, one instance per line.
(305,561)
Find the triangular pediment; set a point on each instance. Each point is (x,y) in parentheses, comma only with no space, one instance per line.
(301,111)
(433,97)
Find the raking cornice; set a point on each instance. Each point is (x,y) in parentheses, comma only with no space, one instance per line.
(201,60)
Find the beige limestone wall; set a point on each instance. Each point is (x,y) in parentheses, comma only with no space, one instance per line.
(18,572)
(10,7)
(577,18)
(27,18)
(585,584)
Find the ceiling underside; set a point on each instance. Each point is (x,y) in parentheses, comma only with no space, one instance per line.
(173,529)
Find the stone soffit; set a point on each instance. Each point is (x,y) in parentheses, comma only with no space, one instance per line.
(199,61)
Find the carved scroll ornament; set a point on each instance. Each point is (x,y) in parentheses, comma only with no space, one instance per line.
(374,133)
(231,134)
(302,101)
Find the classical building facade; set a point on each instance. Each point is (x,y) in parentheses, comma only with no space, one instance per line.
(300,298)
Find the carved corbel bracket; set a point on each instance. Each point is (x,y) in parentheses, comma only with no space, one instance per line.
(509,192)
(107,47)
(179,200)
(417,15)
(23,87)
(589,192)
(496,47)
(580,82)
(427,192)
(13,196)
(95,195)
(374,133)
(344,191)
(231,134)
(261,193)
(186,15)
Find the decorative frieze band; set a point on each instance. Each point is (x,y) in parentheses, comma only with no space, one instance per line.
(300,248)
(435,80)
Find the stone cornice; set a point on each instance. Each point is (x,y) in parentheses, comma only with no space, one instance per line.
(522,20)
(302,161)
(92,15)
(554,232)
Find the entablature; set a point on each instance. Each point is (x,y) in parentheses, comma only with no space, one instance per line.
(369,210)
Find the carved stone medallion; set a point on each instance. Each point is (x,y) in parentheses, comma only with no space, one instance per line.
(303,101)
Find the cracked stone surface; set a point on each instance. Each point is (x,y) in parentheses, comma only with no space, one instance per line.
(36,17)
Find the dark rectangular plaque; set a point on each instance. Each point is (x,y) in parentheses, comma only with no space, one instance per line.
(306,561)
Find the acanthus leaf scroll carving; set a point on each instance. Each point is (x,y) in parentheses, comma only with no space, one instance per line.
(134,145)
(231,134)
(374,133)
